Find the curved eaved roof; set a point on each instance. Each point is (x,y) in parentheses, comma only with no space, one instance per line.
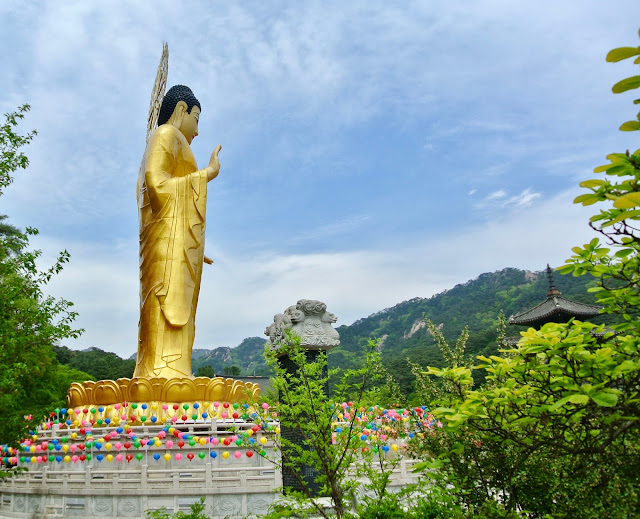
(555,305)
(555,308)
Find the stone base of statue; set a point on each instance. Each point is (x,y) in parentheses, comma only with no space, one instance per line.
(123,471)
(158,394)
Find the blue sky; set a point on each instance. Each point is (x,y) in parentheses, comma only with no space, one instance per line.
(372,151)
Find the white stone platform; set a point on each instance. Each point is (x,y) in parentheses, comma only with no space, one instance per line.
(232,487)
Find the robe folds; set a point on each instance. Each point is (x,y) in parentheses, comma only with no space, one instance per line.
(172,198)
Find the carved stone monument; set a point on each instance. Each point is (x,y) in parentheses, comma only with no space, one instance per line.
(309,320)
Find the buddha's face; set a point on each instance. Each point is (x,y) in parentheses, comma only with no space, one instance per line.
(189,126)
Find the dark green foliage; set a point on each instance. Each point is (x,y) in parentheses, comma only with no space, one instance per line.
(101,365)
(11,157)
(31,380)
(205,371)
(231,371)
(247,356)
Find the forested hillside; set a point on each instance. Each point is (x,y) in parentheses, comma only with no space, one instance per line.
(400,329)
(475,304)
(247,357)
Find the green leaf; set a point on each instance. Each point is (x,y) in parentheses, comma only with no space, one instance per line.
(621,169)
(565,269)
(622,53)
(604,399)
(630,126)
(579,399)
(595,182)
(458,448)
(600,169)
(586,199)
(623,216)
(559,403)
(623,253)
(424,465)
(627,201)
(626,84)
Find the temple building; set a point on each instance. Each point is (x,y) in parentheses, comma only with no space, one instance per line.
(554,309)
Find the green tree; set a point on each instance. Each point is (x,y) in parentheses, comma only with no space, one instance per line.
(617,273)
(30,321)
(304,407)
(231,371)
(206,371)
(101,365)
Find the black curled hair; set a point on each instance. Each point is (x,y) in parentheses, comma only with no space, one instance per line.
(174,95)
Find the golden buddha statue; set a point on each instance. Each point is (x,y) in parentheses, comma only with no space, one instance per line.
(172,204)
(172,199)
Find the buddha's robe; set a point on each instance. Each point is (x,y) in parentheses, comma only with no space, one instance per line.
(172,197)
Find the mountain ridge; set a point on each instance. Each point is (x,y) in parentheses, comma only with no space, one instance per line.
(404,337)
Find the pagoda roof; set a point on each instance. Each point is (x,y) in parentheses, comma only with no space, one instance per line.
(554,307)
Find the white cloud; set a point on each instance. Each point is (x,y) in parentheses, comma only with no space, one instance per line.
(501,193)
(524,199)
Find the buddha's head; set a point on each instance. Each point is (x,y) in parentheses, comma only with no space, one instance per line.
(181,109)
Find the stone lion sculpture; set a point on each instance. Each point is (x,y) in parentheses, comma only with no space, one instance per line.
(309,320)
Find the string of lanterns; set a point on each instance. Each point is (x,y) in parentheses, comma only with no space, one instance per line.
(385,429)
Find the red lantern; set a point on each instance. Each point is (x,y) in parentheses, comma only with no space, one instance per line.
(249,454)
(190,456)
(129,457)
(127,445)
(181,444)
